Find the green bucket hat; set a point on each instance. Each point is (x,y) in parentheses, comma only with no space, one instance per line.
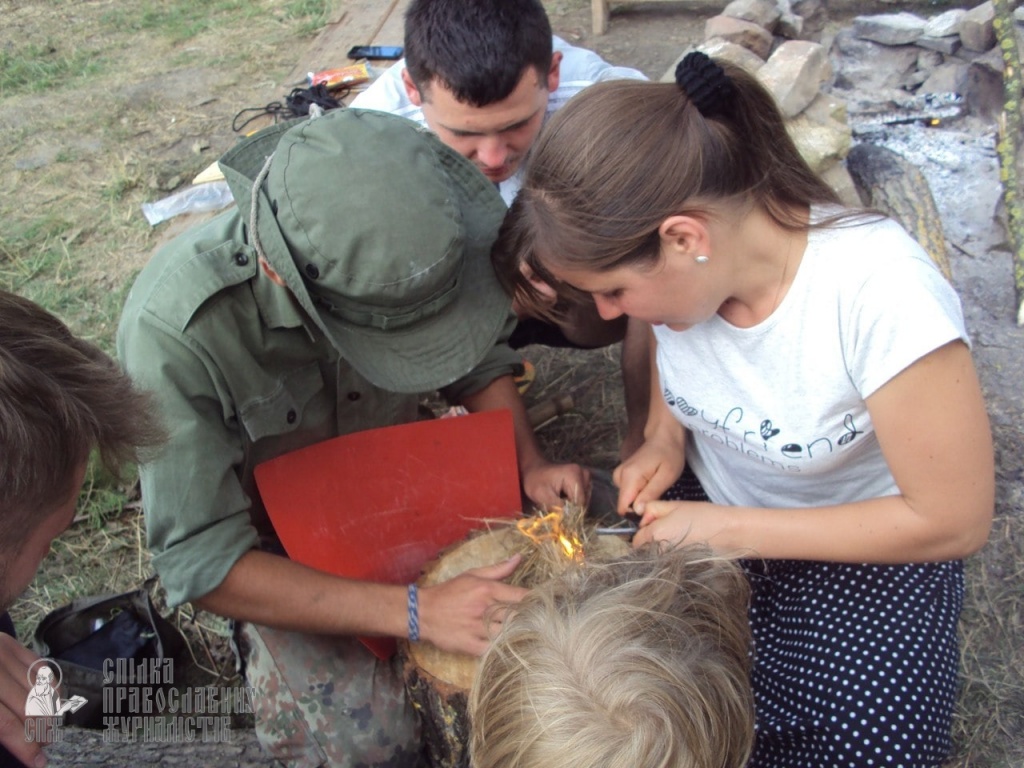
(383,234)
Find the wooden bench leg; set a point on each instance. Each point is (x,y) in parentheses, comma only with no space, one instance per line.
(599,11)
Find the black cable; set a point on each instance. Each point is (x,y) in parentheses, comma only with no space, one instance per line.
(296,104)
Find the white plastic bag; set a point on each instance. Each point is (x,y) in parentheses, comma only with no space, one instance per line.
(209,196)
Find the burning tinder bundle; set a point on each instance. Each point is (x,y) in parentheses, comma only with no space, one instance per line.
(552,542)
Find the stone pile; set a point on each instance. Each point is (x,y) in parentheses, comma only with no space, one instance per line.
(894,57)
(776,41)
(952,52)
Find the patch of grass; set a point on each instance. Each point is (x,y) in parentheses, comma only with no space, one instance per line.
(32,250)
(120,185)
(104,496)
(36,261)
(36,68)
(311,14)
(181,20)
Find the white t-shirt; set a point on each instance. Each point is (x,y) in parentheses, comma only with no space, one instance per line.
(776,413)
(579,68)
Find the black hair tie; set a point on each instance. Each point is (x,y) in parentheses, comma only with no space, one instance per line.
(704,83)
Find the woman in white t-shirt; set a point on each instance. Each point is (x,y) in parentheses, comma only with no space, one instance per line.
(815,381)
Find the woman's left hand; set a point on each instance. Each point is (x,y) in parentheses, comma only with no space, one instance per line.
(679,521)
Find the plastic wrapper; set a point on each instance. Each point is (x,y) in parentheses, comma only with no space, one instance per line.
(209,196)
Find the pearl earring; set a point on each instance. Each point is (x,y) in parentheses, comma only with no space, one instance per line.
(701,259)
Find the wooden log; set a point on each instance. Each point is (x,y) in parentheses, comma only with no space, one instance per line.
(1009,139)
(892,184)
(548,410)
(438,682)
(600,11)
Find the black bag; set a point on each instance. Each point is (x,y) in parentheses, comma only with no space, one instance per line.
(82,635)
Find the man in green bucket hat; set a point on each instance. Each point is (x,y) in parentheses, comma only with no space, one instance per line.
(353,276)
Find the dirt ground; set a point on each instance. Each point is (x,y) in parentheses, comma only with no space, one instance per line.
(136,113)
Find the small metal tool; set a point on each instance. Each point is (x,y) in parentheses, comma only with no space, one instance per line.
(630,525)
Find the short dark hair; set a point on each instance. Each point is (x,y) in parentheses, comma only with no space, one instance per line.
(478,49)
(60,398)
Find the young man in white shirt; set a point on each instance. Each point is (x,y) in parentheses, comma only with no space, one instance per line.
(484,75)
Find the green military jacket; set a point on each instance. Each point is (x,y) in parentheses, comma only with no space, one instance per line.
(241,375)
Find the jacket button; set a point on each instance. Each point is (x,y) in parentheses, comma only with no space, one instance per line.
(353,396)
(312,271)
(292,416)
(241,259)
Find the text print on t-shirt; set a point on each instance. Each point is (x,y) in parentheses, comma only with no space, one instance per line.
(734,432)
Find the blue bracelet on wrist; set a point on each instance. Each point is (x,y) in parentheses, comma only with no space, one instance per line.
(414,614)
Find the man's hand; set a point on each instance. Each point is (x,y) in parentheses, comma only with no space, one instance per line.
(548,484)
(463,614)
(15,660)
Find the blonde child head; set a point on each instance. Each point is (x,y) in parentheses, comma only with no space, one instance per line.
(642,661)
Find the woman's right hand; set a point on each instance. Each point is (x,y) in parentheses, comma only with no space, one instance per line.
(648,473)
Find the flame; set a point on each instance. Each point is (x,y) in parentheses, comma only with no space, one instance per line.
(548,527)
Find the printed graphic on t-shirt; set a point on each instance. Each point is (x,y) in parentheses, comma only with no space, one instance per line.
(760,438)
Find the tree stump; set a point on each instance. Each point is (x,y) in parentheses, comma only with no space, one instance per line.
(889,182)
(438,682)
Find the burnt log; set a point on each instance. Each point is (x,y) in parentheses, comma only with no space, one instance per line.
(893,185)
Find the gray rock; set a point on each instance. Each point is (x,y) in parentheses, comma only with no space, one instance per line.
(745,33)
(889,28)
(820,145)
(929,60)
(826,109)
(794,74)
(717,48)
(976,30)
(790,26)
(761,12)
(947,45)
(945,24)
(814,14)
(983,91)
(869,66)
(913,79)
(946,78)
(837,177)
(992,60)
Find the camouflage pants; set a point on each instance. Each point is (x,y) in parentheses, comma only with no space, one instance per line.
(327,701)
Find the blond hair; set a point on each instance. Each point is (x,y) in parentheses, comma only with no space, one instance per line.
(642,661)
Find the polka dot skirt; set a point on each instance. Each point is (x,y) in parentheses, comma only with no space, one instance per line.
(854,665)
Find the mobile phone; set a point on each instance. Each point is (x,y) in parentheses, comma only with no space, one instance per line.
(376,52)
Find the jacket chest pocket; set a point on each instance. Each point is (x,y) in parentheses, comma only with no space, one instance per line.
(281,410)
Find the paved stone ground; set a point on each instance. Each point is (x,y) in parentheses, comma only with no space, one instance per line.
(83,749)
